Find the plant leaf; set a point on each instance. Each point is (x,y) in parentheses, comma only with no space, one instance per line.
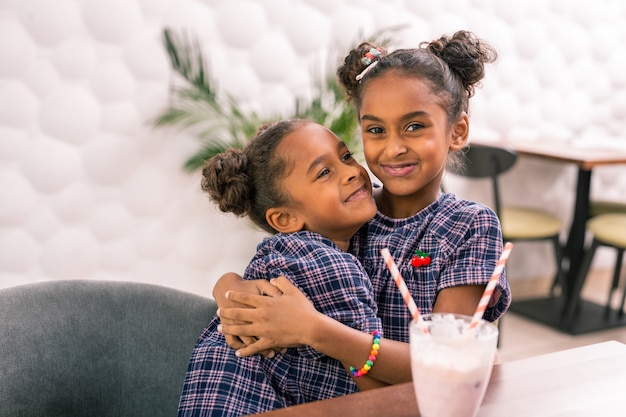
(220,122)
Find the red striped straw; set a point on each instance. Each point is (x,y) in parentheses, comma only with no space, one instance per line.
(491,286)
(408,299)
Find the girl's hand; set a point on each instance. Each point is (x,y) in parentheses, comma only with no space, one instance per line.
(276,322)
(230,281)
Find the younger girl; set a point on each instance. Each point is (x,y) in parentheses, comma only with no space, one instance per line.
(297,181)
(413,111)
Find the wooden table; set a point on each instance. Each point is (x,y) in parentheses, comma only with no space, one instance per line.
(551,310)
(585,381)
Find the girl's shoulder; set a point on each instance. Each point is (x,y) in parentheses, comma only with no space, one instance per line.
(454,214)
(453,207)
(303,247)
(294,243)
(303,255)
(446,209)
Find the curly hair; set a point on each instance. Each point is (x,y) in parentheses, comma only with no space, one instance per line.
(245,182)
(452,66)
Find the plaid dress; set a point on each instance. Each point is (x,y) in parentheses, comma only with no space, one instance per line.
(464,241)
(218,383)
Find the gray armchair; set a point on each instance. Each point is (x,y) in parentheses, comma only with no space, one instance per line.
(96,348)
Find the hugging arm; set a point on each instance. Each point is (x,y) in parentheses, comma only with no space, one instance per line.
(291,320)
(233,281)
(283,322)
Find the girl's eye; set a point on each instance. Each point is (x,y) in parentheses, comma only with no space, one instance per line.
(347,156)
(323,173)
(375,130)
(414,126)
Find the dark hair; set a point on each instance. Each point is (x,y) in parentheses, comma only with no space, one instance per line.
(452,66)
(245,181)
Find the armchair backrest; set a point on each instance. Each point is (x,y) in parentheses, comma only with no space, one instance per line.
(96,348)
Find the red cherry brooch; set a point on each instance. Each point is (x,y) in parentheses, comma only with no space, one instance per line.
(420,259)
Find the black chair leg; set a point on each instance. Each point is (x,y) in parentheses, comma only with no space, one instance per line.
(558,277)
(616,275)
(619,265)
(572,295)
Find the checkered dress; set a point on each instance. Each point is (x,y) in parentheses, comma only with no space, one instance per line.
(218,383)
(464,241)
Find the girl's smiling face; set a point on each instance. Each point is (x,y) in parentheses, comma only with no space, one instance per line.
(329,191)
(406,140)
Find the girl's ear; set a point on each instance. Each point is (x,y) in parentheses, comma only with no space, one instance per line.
(284,220)
(460,133)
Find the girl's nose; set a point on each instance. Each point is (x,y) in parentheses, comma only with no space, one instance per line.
(395,146)
(351,173)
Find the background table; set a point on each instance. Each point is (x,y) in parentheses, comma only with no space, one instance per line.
(586,381)
(549,310)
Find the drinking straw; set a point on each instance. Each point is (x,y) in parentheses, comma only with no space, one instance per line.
(491,285)
(404,291)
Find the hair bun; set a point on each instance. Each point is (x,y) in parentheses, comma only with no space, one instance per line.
(466,56)
(226,180)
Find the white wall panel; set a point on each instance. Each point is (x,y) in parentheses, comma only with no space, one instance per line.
(89,189)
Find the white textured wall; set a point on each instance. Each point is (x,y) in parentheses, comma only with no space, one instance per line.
(89,190)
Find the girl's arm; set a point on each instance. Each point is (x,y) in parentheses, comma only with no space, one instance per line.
(462,299)
(291,320)
(233,281)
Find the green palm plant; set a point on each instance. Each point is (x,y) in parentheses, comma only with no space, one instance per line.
(329,108)
(219,121)
(216,119)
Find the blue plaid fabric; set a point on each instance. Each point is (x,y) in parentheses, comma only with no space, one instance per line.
(464,241)
(218,383)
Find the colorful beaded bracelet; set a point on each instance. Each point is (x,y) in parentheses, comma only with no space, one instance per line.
(370,359)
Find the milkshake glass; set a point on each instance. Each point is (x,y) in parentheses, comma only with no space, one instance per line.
(451,364)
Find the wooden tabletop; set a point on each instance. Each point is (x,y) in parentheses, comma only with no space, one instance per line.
(585,381)
(586,154)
